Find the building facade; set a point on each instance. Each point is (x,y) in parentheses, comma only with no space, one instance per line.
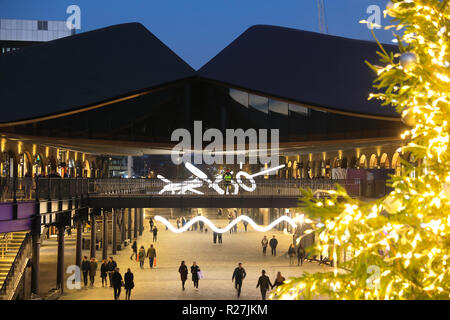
(15,33)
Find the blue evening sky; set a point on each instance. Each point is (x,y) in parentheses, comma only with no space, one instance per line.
(198,29)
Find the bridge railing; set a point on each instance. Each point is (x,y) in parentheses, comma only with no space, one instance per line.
(196,187)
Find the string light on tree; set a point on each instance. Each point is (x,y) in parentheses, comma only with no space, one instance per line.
(406,235)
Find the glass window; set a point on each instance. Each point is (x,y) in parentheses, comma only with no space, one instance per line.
(299,109)
(42,25)
(239,96)
(259,103)
(278,107)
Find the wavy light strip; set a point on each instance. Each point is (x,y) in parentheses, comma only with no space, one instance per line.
(227,228)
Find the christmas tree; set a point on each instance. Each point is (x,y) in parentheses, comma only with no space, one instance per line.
(396,247)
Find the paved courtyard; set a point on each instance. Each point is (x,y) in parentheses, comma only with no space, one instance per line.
(217,261)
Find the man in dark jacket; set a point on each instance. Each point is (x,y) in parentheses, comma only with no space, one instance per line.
(264,284)
(300,254)
(92,270)
(239,274)
(214,236)
(155,233)
(116,279)
(134,248)
(85,269)
(112,265)
(273,245)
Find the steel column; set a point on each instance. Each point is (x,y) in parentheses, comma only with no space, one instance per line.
(60,264)
(105,234)
(135,224)
(78,248)
(129,223)
(114,230)
(93,234)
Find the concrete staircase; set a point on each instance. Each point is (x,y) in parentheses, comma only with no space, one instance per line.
(9,247)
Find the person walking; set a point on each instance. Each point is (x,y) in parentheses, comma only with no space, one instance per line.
(264,284)
(273,245)
(129,283)
(112,265)
(214,236)
(178,223)
(264,243)
(116,278)
(279,280)
(85,270)
(219,237)
(183,221)
(151,224)
(291,253)
(201,225)
(183,270)
(195,269)
(301,253)
(155,233)
(245,225)
(151,254)
(104,273)
(134,248)
(239,275)
(230,218)
(92,270)
(141,257)
(227,177)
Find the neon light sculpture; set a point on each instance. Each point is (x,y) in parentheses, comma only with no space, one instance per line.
(201,177)
(228,227)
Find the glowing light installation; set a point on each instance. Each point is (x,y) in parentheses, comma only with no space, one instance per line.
(201,177)
(228,227)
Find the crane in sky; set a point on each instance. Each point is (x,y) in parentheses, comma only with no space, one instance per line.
(323,26)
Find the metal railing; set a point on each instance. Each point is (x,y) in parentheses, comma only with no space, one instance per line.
(20,189)
(6,237)
(16,271)
(197,187)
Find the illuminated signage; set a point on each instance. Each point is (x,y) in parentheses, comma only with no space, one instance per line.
(201,178)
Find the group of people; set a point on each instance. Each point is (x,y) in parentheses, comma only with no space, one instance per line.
(108,272)
(300,253)
(292,252)
(239,274)
(199,225)
(142,254)
(273,243)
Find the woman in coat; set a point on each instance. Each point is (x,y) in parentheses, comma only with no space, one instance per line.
(141,256)
(92,270)
(194,270)
(104,273)
(129,283)
(279,280)
(291,253)
(183,270)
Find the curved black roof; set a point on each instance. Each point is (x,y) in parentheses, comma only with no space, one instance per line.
(85,69)
(307,67)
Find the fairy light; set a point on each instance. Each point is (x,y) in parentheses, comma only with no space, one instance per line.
(406,233)
(228,227)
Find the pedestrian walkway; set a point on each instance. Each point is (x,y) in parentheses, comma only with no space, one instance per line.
(216,261)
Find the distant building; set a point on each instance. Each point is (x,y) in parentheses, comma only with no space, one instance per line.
(16,34)
(118,167)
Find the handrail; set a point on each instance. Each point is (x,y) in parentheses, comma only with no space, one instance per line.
(17,267)
(197,187)
(4,244)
